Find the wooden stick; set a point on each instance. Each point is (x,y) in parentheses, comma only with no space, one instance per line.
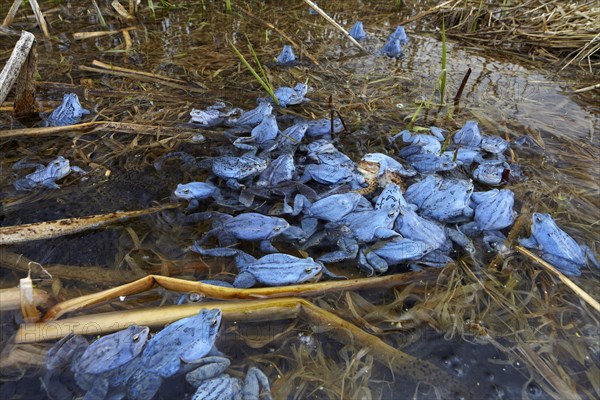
(137,129)
(100,64)
(24,104)
(39,16)
(10,16)
(335,25)
(280,32)
(13,66)
(102,276)
(219,292)
(68,226)
(580,292)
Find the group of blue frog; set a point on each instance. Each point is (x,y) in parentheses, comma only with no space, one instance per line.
(456,201)
(130,364)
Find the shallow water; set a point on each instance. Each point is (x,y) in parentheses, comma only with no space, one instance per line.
(376,96)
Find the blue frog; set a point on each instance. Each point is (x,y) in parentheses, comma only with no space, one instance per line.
(68,113)
(557,246)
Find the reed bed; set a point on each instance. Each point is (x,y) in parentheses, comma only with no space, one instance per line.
(564,33)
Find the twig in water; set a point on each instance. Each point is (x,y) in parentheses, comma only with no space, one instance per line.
(335,24)
(569,283)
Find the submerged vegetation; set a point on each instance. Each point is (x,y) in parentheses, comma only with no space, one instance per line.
(143,80)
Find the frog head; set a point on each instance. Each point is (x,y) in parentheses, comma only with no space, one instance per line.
(59,168)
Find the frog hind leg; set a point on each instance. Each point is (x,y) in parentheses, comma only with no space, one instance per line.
(209,367)
(49,183)
(565,266)
(590,256)
(143,385)
(348,251)
(244,280)
(253,383)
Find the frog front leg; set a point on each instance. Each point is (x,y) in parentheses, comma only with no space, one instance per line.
(255,383)
(267,247)
(529,243)
(234,184)
(348,251)
(565,266)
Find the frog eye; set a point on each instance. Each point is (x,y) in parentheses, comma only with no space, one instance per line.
(277,228)
(214,322)
(135,338)
(57,163)
(186,191)
(538,218)
(308,270)
(391,213)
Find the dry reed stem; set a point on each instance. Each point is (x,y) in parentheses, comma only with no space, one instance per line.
(225,293)
(254,311)
(125,127)
(335,25)
(39,16)
(144,78)
(10,16)
(68,226)
(121,10)
(95,34)
(100,64)
(569,283)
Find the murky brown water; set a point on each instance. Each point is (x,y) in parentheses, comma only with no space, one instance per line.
(377,97)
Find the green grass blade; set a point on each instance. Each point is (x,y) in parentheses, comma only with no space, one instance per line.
(443,77)
(262,71)
(99,14)
(256,76)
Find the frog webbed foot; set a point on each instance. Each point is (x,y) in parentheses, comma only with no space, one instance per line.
(371,263)
(253,383)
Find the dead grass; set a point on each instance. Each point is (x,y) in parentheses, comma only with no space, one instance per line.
(564,33)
